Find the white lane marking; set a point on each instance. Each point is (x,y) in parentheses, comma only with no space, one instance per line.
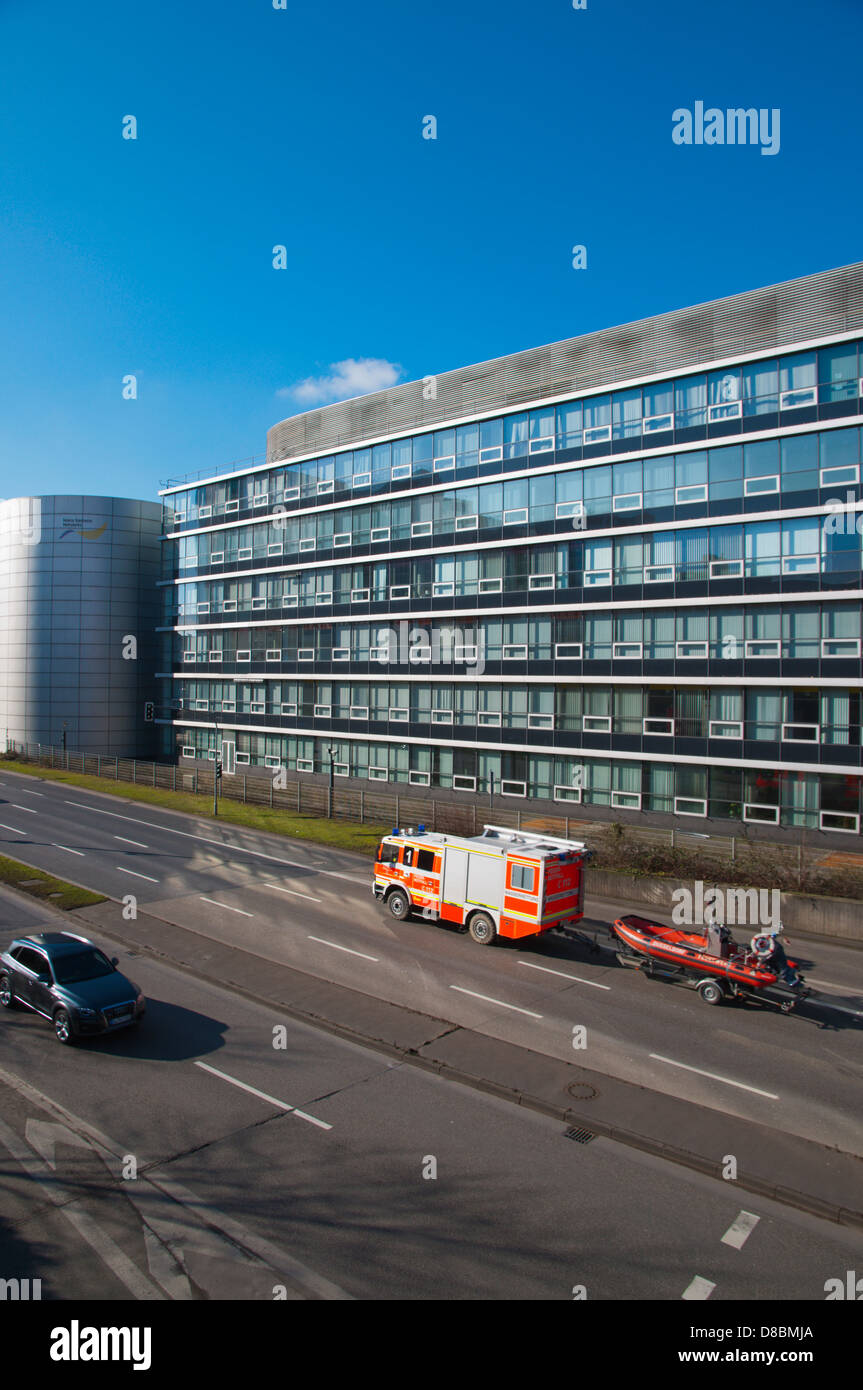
(293,893)
(28,809)
(563,975)
(714,1077)
(25,791)
(698,1289)
(80,853)
(13,828)
(262,1095)
(121,870)
(501,1002)
(64,1199)
(139,843)
(227,908)
(220,844)
(336,947)
(740,1230)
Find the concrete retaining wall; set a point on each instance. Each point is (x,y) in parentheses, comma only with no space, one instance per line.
(838,917)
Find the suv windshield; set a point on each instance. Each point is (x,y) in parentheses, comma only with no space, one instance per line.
(83,965)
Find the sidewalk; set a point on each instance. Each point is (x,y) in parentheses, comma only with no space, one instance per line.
(770,1163)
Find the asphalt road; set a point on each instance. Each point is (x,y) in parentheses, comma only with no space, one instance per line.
(311,908)
(236,1196)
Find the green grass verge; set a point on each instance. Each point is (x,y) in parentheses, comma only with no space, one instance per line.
(41,885)
(362,839)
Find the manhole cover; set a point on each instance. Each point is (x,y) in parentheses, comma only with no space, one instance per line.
(582,1090)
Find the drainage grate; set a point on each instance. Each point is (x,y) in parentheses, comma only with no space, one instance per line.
(581,1136)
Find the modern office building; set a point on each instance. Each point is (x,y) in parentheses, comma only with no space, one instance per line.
(616,574)
(78,613)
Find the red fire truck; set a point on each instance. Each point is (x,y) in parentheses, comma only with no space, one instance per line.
(503,882)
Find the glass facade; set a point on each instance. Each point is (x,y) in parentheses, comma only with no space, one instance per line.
(647,598)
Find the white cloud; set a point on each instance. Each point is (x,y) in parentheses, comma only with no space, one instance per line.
(356,376)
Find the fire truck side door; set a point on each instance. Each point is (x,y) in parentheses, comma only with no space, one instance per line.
(454,876)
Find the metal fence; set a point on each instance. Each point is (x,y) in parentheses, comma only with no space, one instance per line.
(382,810)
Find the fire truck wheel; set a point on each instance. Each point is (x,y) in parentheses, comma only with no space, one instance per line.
(399,904)
(711,992)
(481,929)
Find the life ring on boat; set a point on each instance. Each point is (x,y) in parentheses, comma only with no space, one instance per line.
(762,946)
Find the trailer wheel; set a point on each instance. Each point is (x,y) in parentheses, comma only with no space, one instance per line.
(481,929)
(399,904)
(711,992)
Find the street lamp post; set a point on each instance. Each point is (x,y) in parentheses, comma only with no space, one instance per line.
(331,788)
(217,767)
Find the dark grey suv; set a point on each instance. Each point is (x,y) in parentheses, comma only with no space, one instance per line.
(71,982)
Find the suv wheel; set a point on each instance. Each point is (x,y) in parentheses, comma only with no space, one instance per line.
(7,995)
(63,1027)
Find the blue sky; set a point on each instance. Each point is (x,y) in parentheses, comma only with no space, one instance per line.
(303,127)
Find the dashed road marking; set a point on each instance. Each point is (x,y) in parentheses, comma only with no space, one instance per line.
(740,1230)
(227,908)
(563,975)
(336,947)
(262,1095)
(698,1289)
(713,1076)
(80,853)
(501,1002)
(121,870)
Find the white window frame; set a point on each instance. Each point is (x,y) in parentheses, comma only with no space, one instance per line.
(516,516)
(573,794)
(658,424)
(443,464)
(464,653)
(379,534)
(629,655)
(217,557)
(600,434)
(419,779)
(205,512)
(825,481)
(305,765)
(788,737)
(398,714)
(750,491)
(340,653)
(506,788)
(214,656)
(232,505)
(358,712)
(305,653)
(400,591)
(626,801)
(470,783)
(257,707)
(791,564)
(443,588)
(749,806)
(541,581)
(421,528)
(322,711)
(716,724)
(488,718)
(273,654)
(326,486)
(514,651)
(201,704)
(359,595)
(724,410)
(665,575)
(682,501)
(275,548)
(229,706)
(466,523)
(542,444)
(786,403)
(341,769)
(589,722)
(564,510)
(724,564)
(288,709)
(442,716)
(491,455)
(308,543)
(361,480)
(853,829)
(540,721)
(750,655)
(229,605)
(291,494)
(260,499)
(342,539)
(244,654)
(490,586)
(290,600)
(189,751)
(701,655)
(627,502)
(378,774)
(203,606)
(595,579)
(681,801)
(398,471)
(324,596)
(667,732)
(190,657)
(832,641)
(243,758)
(258,603)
